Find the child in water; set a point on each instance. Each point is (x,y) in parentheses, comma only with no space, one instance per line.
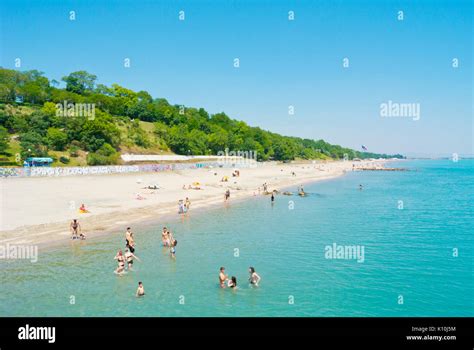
(173,248)
(140,290)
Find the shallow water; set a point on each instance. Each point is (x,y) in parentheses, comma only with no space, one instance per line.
(407,253)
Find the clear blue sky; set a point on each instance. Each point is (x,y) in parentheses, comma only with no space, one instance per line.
(283,62)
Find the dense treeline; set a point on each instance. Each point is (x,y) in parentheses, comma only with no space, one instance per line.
(180,129)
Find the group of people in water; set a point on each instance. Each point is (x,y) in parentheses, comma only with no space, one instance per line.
(226,282)
(126,259)
(168,240)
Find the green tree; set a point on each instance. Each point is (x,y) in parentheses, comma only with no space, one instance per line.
(4,139)
(80,82)
(56,139)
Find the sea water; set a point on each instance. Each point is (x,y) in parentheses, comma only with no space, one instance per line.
(415,229)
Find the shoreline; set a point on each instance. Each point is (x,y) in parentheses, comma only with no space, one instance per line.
(97,225)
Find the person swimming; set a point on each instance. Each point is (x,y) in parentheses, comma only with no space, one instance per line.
(129,258)
(232,283)
(222,277)
(140,290)
(121,262)
(254,278)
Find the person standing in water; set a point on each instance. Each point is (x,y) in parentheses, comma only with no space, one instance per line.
(254,278)
(130,242)
(232,283)
(121,262)
(140,290)
(173,248)
(222,277)
(127,236)
(164,237)
(129,258)
(272,198)
(227,195)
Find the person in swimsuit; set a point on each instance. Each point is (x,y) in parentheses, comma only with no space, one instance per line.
(232,283)
(129,258)
(83,209)
(222,277)
(121,262)
(254,277)
(169,238)
(140,290)
(75,228)
(164,237)
(227,195)
(187,204)
(272,198)
(127,235)
(173,248)
(131,243)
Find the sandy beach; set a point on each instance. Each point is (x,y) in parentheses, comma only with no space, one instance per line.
(39,210)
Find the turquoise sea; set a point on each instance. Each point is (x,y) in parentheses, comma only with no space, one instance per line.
(410,265)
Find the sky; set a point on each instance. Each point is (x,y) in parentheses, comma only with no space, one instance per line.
(283,62)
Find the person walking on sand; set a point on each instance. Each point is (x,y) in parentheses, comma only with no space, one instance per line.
(75,228)
(227,195)
(121,262)
(129,258)
(222,277)
(254,278)
(140,290)
(187,204)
